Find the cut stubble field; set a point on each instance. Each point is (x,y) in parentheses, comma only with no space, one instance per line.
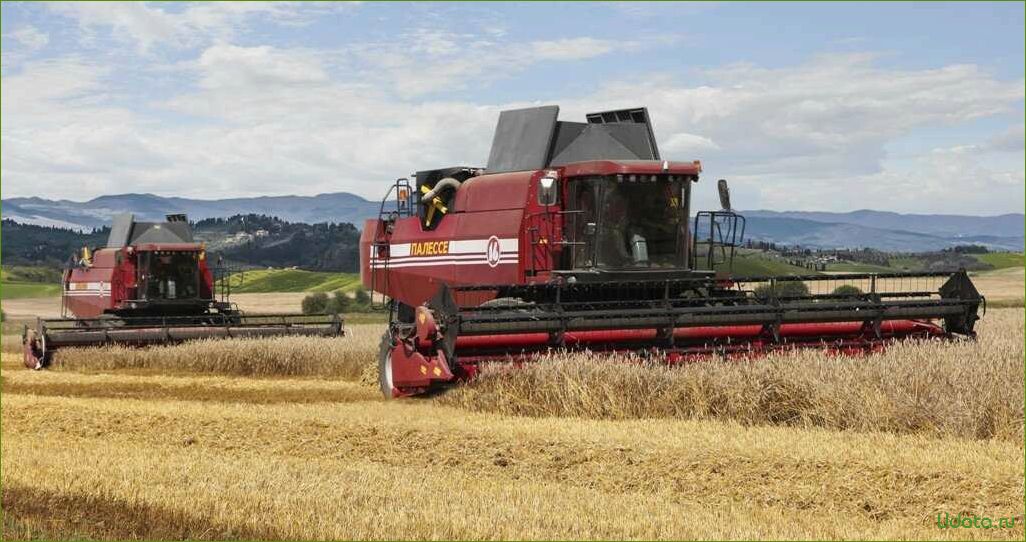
(288,438)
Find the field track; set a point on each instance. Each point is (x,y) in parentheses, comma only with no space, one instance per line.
(50,307)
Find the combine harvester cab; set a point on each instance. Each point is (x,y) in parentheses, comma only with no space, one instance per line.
(151,285)
(580,236)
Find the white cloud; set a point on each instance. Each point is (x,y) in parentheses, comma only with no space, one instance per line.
(1011,140)
(572,48)
(129,21)
(648,10)
(958,179)
(265,120)
(41,85)
(228,66)
(62,139)
(427,61)
(683,143)
(29,37)
(954,180)
(835,108)
(147,24)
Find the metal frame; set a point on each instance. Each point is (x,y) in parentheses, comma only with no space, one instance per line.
(382,234)
(705,301)
(141,331)
(717,238)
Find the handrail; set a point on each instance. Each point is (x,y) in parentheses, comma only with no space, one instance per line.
(381,237)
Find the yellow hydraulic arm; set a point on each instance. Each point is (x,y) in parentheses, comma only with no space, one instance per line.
(436,204)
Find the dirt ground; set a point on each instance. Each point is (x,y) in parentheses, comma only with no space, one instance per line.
(1005,286)
(50,307)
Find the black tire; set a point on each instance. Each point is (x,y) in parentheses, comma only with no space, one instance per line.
(36,356)
(385,365)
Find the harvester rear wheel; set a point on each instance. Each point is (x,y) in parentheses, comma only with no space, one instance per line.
(385,366)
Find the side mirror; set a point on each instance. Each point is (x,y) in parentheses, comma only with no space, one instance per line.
(724,190)
(547,193)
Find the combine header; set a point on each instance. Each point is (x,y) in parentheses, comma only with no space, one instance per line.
(579,236)
(151,285)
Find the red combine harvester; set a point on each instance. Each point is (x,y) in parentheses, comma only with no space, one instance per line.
(151,285)
(579,236)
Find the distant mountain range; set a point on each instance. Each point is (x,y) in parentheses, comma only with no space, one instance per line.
(85,215)
(872,229)
(939,225)
(782,229)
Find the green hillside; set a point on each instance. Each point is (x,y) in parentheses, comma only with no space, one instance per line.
(856,267)
(29,281)
(293,280)
(1002,260)
(17,290)
(30,273)
(753,263)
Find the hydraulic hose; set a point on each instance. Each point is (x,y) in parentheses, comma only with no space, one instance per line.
(447,182)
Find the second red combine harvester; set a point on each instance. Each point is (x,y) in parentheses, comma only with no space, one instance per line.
(151,285)
(580,236)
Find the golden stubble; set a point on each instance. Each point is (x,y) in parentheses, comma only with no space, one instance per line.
(146,443)
(414,469)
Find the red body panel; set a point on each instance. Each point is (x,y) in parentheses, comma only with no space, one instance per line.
(90,291)
(480,240)
(743,335)
(495,232)
(623,167)
(494,192)
(109,281)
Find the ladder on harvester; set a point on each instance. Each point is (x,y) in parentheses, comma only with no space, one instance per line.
(379,249)
(223,277)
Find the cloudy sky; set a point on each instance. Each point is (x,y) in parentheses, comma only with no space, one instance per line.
(910,108)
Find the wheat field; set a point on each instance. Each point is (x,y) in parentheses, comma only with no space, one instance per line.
(288,438)
(963,389)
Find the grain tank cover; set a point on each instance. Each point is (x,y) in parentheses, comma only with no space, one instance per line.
(522,139)
(126,231)
(532,138)
(120,230)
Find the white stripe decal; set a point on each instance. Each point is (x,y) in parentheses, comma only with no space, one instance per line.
(459,246)
(386,265)
(460,252)
(478,256)
(82,289)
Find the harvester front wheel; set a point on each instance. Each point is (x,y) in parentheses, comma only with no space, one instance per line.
(385,366)
(35,354)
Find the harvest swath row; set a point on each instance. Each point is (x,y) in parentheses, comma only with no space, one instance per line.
(574,236)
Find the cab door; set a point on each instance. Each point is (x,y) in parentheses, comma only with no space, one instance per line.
(543,227)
